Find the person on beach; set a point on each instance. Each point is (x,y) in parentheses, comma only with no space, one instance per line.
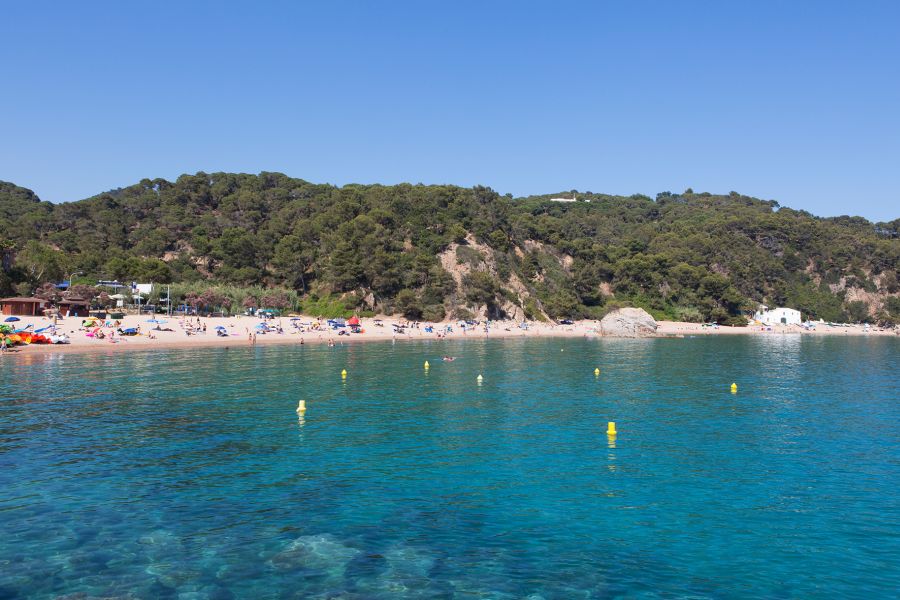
(3,346)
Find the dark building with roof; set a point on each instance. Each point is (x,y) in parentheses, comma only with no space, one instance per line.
(25,307)
(74,307)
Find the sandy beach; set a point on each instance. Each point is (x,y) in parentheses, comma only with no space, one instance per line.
(186,333)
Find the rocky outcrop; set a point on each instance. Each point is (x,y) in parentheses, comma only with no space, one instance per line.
(459,269)
(628,322)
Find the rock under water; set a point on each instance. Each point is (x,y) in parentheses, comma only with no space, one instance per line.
(316,552)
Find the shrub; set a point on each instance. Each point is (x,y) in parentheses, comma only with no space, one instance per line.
(463,314)
(434,312)
(532,310)
(736,321)
(688,314)
(326,306)
(858,311)
(466,255)
(458,233)
(408,304)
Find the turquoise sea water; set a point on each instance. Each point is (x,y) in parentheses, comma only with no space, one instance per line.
(187,474)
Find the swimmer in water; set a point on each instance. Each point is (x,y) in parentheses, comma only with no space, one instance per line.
(449,358)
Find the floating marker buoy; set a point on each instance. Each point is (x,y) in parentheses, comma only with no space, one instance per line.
(611,428)
(343,373)
(597,371)
(427,366)
(479,379)
(301,407)
(734,388)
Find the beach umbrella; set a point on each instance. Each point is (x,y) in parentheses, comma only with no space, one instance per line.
(118,296)
(11,319)
(222,327)
(354,320)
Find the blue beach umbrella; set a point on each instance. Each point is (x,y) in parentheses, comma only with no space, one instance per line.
(222,327)
(11,319)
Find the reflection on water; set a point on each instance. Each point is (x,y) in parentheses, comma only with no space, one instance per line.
(191,474)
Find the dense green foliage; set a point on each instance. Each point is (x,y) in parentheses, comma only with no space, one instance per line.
(333,249)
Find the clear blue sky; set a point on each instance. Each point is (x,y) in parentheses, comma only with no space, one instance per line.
(793,101)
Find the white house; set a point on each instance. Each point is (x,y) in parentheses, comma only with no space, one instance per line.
(563,199)
(778,316)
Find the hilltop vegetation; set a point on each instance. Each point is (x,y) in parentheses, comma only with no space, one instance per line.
(435,251)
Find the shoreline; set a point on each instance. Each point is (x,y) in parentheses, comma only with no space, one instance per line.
(239,329)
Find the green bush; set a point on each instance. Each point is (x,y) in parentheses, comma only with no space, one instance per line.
(329,307)
(408,304)
(466,255)
(858,311)
(688,314)
(532,310)
(434,312)
(892,305)
(736,321)
(462,313)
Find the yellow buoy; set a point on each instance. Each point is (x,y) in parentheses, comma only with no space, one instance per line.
(597,371)
(301,407)
(343,373)
(734,388)
(427,366)
(611,428)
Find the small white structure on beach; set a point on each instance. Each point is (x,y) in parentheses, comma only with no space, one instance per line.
(778,316)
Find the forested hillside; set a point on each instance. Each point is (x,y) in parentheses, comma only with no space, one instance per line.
(440,251)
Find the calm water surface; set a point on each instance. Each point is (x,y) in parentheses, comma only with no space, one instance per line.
(187,474)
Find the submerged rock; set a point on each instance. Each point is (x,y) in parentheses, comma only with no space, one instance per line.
(315,552)
(408,562)
(628,322)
